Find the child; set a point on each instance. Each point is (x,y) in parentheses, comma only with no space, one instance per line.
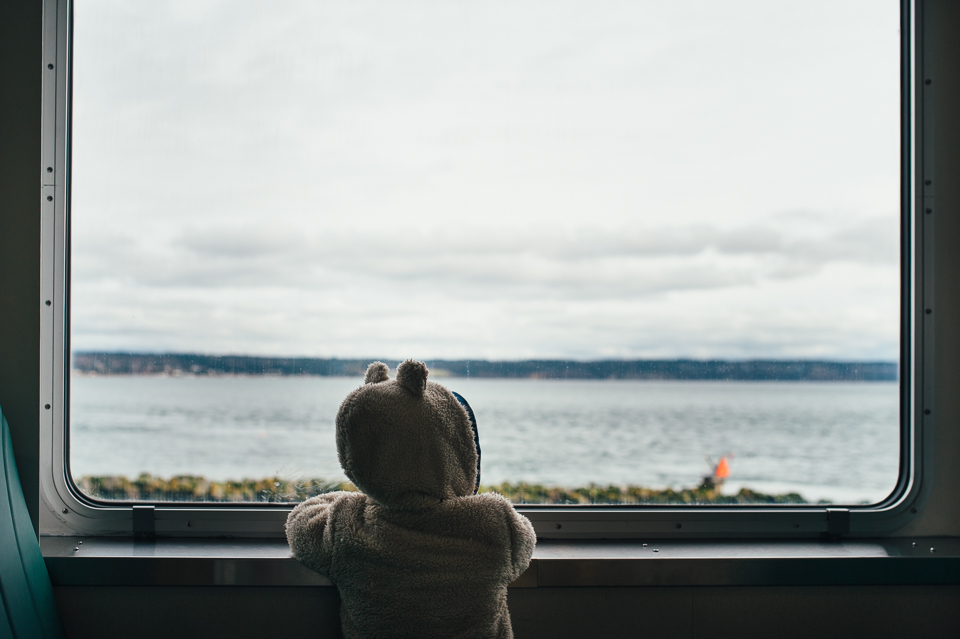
(417,553)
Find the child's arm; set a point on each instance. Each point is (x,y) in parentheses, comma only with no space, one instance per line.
(522,541)
(310,531)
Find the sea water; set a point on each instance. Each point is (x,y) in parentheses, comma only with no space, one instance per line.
(836,441)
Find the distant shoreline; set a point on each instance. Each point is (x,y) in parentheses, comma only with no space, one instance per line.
(192,364)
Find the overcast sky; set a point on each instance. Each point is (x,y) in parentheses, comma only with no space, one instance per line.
(487,179)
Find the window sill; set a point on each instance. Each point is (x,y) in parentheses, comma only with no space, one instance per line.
(267,562)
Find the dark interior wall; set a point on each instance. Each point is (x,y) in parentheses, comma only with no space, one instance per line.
(941,516)
(878,612)
(205,612)
(20,50)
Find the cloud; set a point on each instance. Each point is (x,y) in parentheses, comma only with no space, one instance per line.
(495,179)
(575,263)
(500,293)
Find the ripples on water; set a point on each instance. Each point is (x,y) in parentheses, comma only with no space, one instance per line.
(835,440)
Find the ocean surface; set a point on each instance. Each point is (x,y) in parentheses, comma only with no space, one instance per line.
(835,441)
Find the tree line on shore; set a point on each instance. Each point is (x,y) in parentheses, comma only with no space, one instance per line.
(176,364)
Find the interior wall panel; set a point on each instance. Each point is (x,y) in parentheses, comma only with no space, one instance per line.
(20,51)
(115,612)
(878,612)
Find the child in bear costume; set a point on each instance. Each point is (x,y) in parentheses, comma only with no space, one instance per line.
(417,553)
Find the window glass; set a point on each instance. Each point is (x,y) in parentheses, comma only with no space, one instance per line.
(655,245)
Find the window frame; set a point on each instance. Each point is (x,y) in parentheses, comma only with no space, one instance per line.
(66,511)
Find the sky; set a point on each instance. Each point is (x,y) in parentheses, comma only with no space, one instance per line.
(487,179)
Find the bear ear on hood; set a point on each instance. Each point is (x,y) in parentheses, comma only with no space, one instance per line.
(412,375)
(376,373)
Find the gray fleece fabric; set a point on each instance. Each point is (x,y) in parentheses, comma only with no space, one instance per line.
(416,553)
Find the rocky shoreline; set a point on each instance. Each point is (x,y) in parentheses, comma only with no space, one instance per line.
(188,488)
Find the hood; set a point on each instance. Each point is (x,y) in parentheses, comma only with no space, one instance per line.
(407,443)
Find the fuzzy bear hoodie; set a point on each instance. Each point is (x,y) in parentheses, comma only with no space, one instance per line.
(416,553)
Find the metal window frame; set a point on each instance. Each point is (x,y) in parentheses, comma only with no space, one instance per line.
(65,511)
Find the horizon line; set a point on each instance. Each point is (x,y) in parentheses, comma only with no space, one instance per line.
(487,360)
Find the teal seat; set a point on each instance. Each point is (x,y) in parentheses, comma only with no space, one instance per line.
(27,607)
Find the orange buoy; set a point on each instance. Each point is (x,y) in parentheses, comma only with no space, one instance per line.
(722,471)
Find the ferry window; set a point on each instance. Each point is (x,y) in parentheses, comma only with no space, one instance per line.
(656,245)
